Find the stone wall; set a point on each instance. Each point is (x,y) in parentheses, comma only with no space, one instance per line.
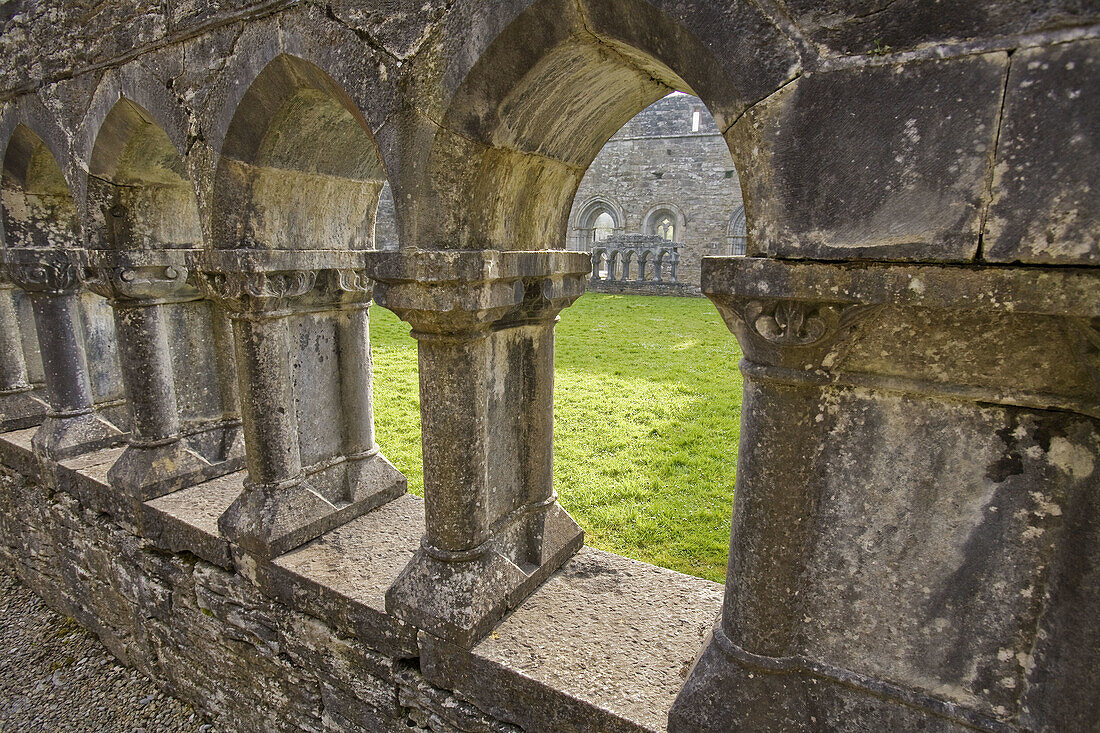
(189,197)
(305,643)
(658,162)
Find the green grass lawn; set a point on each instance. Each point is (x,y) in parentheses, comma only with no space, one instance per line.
(647,411)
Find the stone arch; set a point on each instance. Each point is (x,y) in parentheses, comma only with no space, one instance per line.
(644,271)
(29,123)
(530,109)
(295,197)
(139,194)
(298,168)
(615,265)
(665,221)
(737,234)
(627,259)
(586,224)
(529,116)
(659,265)
(39,210)
(599,263)
(74,328)
(177,347)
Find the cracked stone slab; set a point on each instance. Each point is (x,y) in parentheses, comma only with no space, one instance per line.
(1044,194)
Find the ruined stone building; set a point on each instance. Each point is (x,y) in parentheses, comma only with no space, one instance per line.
(667,173)
(189,196)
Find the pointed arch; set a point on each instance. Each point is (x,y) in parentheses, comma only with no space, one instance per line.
(665,221)
(40,212)
(299,168)
(38,206)
(139,193)
(590,227)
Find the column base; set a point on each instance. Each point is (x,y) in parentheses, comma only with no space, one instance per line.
(460,597)
(149,472)
(268,520)
(22,409)
(64,437)
(729,689)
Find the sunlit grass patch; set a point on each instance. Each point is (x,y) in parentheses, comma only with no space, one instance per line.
(647,401)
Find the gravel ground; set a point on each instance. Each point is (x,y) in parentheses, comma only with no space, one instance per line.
(56,676)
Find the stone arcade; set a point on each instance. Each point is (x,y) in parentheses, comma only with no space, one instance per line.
(916,531)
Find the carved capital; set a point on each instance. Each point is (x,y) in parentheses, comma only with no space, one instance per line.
(44,271)
(545,297)
(140,284)
(353,281)
(463,293)
(262,282)
(256,292)
(790,332)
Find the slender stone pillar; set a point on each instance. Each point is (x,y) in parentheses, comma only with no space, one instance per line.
(494,530)
(356,384)
(140,287)
(901,486)
(227,365)
(20,407)
(51,279)
(289,500)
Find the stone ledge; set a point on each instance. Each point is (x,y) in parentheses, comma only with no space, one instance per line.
(1037,290)
(16,453)
(550,662)
(609,639)
(633,287)
(473,266)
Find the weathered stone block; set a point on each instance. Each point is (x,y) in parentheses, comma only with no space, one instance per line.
(911,153)
(877,26)
(839,590)
(1045,197)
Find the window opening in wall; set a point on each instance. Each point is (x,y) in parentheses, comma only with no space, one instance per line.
(605,225)
(696,118)
(738,234)
(666,229)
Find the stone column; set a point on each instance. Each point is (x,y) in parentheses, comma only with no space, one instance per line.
(227,365)
(51,280)
(19,406)
(140,287)
(356,382)
(494,529)
(286,503)
(898,527)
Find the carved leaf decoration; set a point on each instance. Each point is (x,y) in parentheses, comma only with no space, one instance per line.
(353,281)
(239,292)
(53,272)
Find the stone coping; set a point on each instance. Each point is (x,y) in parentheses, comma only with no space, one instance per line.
(177,256)
(606,641)
(474,266)
(1036,290)
(277,260)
